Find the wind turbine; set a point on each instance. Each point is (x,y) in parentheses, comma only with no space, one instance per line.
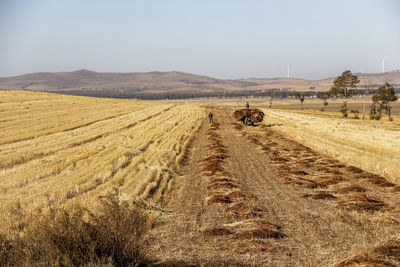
(383,64)
(288,70)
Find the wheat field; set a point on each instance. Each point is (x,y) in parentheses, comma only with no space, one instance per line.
(370,145)
(59,150)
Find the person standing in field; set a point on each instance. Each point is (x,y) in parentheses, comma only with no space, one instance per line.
(211,117)
(247,105)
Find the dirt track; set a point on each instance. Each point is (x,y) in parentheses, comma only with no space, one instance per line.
(248,195)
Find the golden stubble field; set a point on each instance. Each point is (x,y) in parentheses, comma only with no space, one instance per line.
(59,150)
(56,149)
(271,191)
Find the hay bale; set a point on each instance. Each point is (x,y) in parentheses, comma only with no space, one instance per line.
(255,114)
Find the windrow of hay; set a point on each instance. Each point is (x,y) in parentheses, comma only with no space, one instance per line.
(244,220)
(328,179)
(368,145)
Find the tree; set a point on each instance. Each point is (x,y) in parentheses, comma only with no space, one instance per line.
(344,86)
(301,96)
(324,96)
(383,97)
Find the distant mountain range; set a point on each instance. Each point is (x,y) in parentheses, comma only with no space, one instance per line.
(85,82)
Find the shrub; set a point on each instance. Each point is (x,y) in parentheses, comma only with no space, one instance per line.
(113,235)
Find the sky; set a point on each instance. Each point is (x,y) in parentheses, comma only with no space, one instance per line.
(226,39)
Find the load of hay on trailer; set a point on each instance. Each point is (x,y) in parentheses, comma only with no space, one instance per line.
(249,116)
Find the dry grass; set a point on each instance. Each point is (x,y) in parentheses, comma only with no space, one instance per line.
(62,152)
(60,237)
(369,145)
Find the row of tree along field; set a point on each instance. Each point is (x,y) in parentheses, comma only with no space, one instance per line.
(260,93)
(345,86)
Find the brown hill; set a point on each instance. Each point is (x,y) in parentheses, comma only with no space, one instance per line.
(151,82)
(168,82)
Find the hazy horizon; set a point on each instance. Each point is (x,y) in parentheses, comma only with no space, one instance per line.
(250,77)
(224,39)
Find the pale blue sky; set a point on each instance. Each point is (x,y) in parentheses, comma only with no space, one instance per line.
(223,39)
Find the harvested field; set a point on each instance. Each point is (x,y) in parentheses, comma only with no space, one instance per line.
(57,152)
(270,201)
(211,193)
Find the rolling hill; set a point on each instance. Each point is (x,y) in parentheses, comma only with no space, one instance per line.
(88,82)
(152,82)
